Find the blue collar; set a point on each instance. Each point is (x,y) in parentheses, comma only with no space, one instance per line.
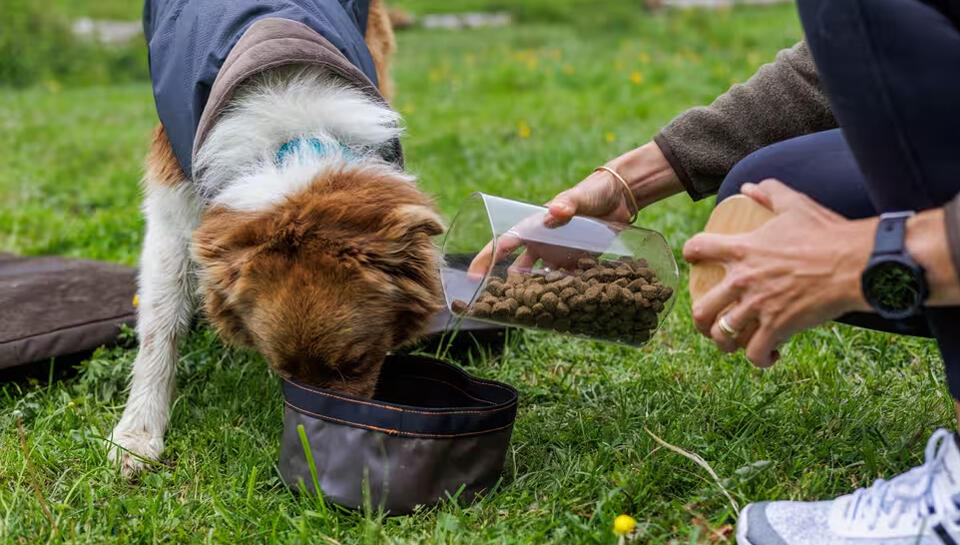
(320,147)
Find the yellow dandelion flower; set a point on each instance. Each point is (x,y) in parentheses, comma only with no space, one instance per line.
(637,77)
(568,69)
(523,130)
(53,85)
(609,137)
(623,525)
(136,300)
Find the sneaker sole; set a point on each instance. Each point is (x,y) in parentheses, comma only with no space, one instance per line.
(742,526)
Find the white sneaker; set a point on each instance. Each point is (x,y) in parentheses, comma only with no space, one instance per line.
(919,507)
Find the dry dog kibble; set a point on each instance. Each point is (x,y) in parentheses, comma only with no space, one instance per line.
(524,315)
(618,300)
(460,307)
(592,295)
(530,296)
(585,263)
(549,301)
(650,291)
(567,282)
(502,310)
(569,293)
(636,284)
(496,288)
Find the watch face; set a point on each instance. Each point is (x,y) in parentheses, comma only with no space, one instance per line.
(893,287)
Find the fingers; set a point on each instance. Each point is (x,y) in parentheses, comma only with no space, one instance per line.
(481,263)
(711,247)
(775,195)
(506,244)
(598,195)
(771,193)
(747,333)
(780,198)
(561,209)
(754,192)
(742,319)
(707,309)
(762,348)
(524,262)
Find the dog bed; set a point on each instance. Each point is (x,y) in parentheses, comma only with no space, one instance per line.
(54,306)
(431,431)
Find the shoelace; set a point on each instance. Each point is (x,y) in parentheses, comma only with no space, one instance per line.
(913,492)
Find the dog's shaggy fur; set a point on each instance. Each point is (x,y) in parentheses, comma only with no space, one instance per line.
(322,262)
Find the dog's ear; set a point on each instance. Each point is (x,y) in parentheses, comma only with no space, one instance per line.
(412,219)
(408,263)
(223,245)
(401,246)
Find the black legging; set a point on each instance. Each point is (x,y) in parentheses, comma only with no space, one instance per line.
(891,69)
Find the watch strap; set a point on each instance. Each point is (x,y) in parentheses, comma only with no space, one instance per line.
(891,233)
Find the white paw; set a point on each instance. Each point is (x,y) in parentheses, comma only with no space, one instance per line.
(139,447)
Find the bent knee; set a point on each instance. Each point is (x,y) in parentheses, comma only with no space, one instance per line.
(754,168)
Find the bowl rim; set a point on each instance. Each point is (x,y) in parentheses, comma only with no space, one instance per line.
(494,407)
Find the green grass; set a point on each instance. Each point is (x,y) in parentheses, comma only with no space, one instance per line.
(843,407)
(37,46)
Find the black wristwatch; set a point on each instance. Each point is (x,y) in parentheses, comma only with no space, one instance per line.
(893,283)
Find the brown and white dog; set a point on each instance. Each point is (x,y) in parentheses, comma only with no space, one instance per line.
(322,262)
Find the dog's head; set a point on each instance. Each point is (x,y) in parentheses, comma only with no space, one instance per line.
(327,281)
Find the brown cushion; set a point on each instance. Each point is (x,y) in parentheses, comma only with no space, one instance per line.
(51,306)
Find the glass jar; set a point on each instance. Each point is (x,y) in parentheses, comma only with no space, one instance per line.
(588,278)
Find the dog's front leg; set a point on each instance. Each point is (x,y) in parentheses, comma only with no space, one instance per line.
(167,303)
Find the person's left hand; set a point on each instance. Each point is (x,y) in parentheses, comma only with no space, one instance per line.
(800,269)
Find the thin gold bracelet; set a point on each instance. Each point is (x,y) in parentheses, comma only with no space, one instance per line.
(626,187)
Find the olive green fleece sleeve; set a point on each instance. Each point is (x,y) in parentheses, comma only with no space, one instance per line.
(782,100)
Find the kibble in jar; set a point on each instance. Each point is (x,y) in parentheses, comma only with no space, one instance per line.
(617,300)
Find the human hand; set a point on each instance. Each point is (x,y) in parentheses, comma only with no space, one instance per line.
(800,269)
(649,177)
(600,195)
(534,236)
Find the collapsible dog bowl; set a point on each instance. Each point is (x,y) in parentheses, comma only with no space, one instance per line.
(431,431)
(589,278)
